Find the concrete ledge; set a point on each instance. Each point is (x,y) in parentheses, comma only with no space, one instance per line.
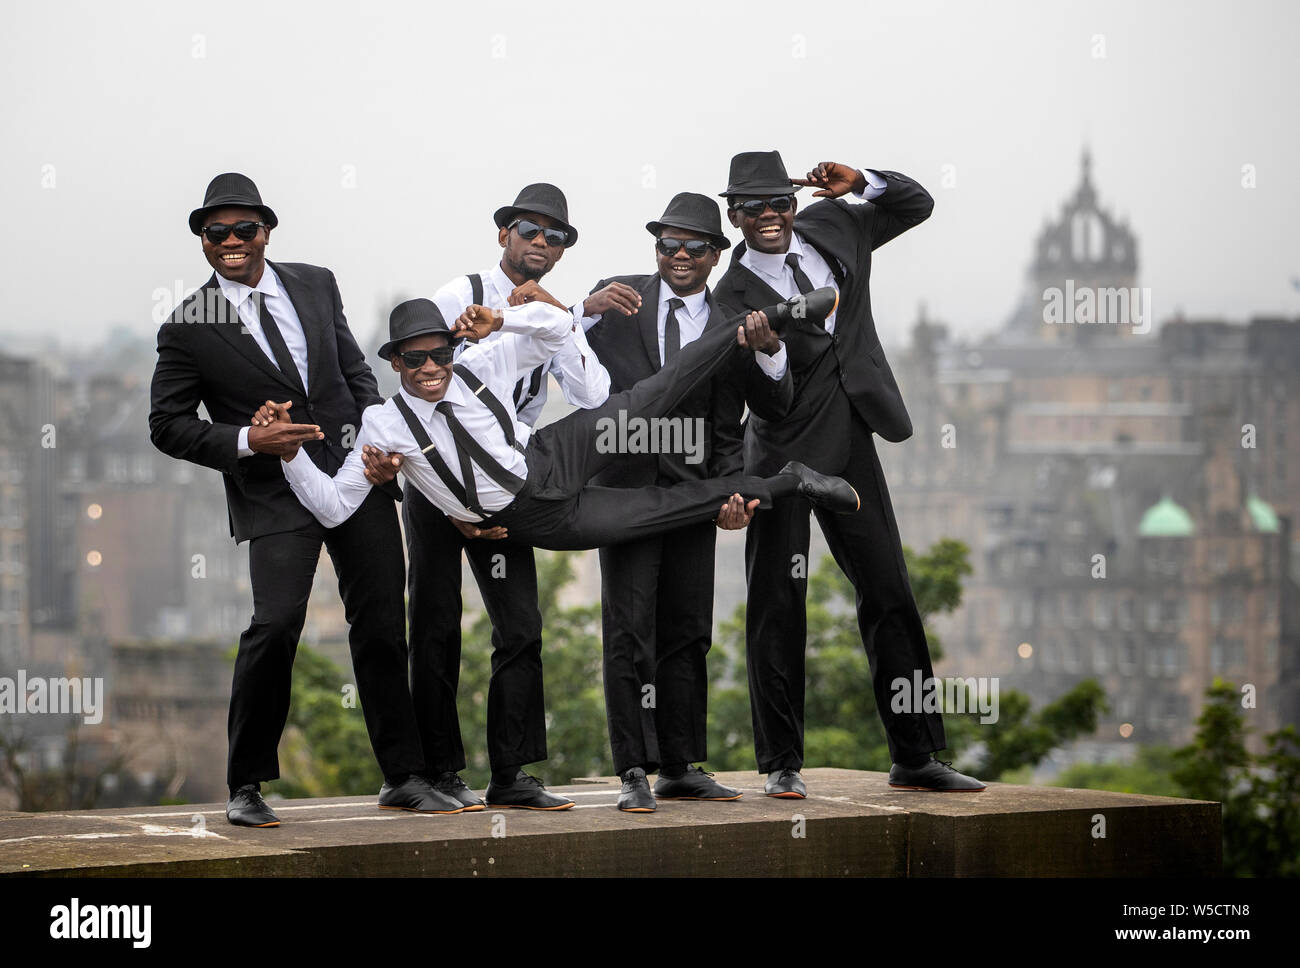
(851,825)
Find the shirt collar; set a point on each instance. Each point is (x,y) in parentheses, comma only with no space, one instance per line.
(772,264)
(237,292)
(497,276)
(693,304)
(456,394)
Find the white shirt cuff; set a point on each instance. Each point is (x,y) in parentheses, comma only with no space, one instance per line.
(243,448)
(773,365)
(876,185)
(586,322)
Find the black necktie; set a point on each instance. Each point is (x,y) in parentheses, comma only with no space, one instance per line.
(283,358)
(672,330)
(800,279)
(468,448)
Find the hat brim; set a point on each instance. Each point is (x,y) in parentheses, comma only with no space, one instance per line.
(721,241)
(761,190)
(503,216)
(389,349)
(197,216)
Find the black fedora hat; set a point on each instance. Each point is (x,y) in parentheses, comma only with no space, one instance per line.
(540,199)
(415,317)
(696,213)
(759,173)
(228,190)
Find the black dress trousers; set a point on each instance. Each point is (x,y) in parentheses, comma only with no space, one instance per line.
(867,548)
(367,554)
(507,579)
(657,613)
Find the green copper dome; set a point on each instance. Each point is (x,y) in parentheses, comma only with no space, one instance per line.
(1262,515)
(1165,519)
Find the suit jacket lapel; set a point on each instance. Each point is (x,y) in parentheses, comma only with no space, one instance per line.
(228,324)
(306,305)
(754,291)
(647,321)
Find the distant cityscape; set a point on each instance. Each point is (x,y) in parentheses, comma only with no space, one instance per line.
(1125,487)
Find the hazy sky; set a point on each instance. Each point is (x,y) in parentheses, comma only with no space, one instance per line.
(117,115)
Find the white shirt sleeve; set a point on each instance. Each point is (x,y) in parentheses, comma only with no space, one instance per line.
(774,365)
(244,450)
(331,500)
(543,329)
(581,375)
(876,185)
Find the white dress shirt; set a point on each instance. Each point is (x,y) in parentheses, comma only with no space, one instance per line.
(691,320)
(771,267)
(529,335)
(279,304)
(583,380)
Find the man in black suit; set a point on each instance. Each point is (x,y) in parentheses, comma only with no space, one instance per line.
(657,593)
(845,392)
(258,330)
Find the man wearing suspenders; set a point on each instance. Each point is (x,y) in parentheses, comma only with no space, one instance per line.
(533,234)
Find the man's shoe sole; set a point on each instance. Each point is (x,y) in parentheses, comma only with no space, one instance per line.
(900,786)
(235,823)
(788,795)
(524,806)
(639,809)
(418,810)
(704,799)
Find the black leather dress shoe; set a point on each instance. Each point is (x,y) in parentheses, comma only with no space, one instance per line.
(813,307)
(247,808)
(822,490)
(694,784)
(934,775)
(417,795)
(787,784)
(526,793)
(636,796)
(450,784)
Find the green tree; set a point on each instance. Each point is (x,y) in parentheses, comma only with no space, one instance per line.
(1260,794)
(1150,773)
(842,726)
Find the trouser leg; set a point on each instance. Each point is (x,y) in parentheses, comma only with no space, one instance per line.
(516,707)
(685,632)
(434,607)
(367,554)
(629,578)
(281,568)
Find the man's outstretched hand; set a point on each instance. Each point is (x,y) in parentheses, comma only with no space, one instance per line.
(833,180)
(736,514)
(272,431)
(476,323)
(757,334)
(380,468)
(615,297)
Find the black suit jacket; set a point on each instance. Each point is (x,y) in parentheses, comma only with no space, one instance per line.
(844,235)
(206,356)
(628,346)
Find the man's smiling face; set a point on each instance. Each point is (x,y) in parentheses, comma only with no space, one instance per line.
(235,259)
(769,232)
(683,274)
(428,381)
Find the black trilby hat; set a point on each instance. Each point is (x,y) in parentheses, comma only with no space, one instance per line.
(696,213)
(759,173)
(541,199)
(228,190)
(415,317)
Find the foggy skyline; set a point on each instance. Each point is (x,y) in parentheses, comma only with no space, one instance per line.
(385,138)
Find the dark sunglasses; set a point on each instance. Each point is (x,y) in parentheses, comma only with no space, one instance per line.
(754,207)
(414,359)
(218,232)
(695,248)
(528,230)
